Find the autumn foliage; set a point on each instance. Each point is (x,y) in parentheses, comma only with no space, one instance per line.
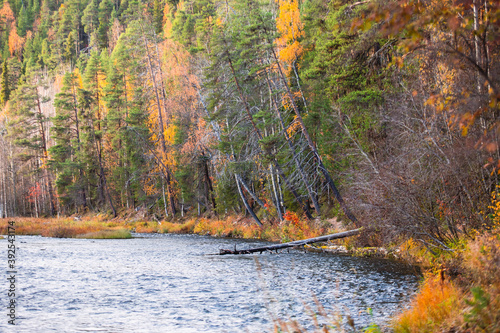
(290,28)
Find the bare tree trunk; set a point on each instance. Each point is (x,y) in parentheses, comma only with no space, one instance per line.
(276,164)
(35,197)
(486,48)
(296,243)
(294,155)
(275,192)
(14,186)
(245,202)
(102,174)
(164,199)
(4,187)
(210,194)
(280,193)
(3,161)
(105,185)
(298,84)
(311,144)
(477,47)
(77,129)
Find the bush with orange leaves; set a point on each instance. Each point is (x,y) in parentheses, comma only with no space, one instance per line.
(431,308)
(463,292)
(294,228)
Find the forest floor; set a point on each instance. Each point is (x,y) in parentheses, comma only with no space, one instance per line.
(460,289)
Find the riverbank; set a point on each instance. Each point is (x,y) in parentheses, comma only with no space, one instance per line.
(234,226)
(460,291)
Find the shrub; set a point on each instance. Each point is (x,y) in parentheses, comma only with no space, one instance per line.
(435,304)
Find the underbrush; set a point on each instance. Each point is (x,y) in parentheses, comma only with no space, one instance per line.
(432,307)
(179,228)
(461,292)
(290,229)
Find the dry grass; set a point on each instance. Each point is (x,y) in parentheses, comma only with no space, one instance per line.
(107,234)
(179,228)
(292,228)
(146,227)
(63,228)
(481,265)
(433,306)
(469,301)
(236,226)
(60,228)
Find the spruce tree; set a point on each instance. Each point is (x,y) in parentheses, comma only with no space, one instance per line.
(5,91)
(67,155)
(69,50)
(158,17)
(90,21)
(23,22)
(105,10)
(126,123)
(92,101)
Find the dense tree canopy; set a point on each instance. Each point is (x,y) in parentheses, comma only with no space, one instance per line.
(379,113)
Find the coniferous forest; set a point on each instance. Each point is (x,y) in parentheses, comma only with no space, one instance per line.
(384,114)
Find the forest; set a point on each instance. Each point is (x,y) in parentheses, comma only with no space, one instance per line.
(382,114)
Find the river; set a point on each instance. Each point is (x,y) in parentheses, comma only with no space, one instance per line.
(168,283)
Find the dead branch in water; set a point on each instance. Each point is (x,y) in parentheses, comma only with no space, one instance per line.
(302,242)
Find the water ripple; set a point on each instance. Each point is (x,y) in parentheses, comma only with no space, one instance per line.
(166,283)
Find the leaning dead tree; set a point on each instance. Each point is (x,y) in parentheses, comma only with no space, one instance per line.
(302,242)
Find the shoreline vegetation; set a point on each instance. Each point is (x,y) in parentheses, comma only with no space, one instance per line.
(459,292)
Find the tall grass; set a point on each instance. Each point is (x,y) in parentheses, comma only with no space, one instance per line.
(463,295)
(179,228)
(108,234)
(59,228)
(431,308)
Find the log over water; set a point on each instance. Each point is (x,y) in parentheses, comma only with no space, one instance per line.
(294,243)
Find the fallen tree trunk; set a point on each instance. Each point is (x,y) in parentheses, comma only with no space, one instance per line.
(293,244)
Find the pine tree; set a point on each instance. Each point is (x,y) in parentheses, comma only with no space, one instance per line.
(5,91)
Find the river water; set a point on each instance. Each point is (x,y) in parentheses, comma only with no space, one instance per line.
(167,283)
